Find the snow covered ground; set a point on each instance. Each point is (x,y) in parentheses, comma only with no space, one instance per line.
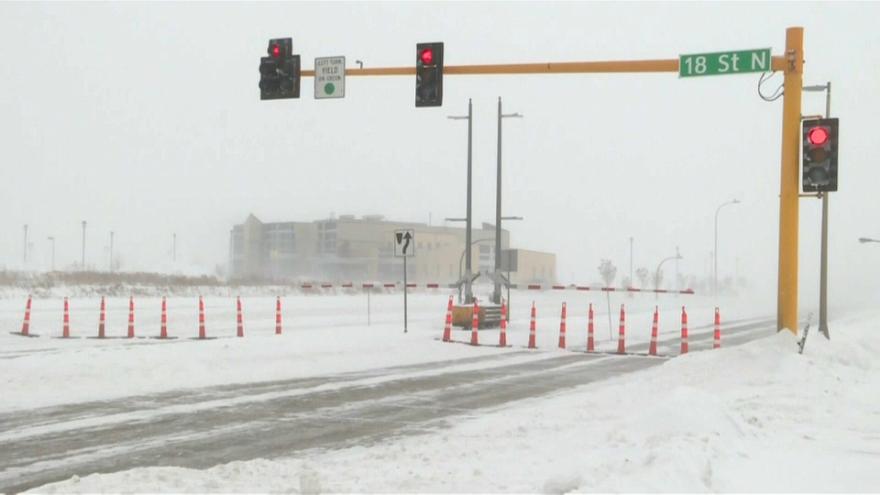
(753,417)
(756,417)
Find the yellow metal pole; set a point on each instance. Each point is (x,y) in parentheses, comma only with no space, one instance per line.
(617,66)
(787,301)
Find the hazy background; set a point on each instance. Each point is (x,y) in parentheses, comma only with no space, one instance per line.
(145,119)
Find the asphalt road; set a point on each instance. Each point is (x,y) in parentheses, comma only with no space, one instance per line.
(204,427)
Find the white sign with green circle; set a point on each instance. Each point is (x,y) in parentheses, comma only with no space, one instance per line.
(329,77)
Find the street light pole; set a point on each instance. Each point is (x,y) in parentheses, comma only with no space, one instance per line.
(631,260)
(715,256)
(469,295)
(496,293)
(657,273)
(864,240)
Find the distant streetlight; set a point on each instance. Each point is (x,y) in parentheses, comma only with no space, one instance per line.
(111,251)
(657,273)
(51,238)
(715,272)
(631,260)
(863,240)
(83,262)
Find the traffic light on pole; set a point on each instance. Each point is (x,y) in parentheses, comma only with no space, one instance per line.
(819,159)
(429,74)
(280,71)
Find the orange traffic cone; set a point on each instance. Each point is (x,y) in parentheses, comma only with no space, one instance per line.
(562,328)
(475,325)
(653,348)
(131,317)
(716,341)
(65,332)
(238,318)
(278,315)
(532,344)
(202,333)
(684,331)
(163,332)
(26,324)
(502,337)
(102,319)
(590,341)
(447,328)
(621,336)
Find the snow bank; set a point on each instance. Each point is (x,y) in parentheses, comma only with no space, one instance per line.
(757,417)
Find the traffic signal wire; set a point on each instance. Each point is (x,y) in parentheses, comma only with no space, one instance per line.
(779,92)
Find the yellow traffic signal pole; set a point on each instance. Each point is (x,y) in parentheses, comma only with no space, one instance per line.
(792,64)
(787,298)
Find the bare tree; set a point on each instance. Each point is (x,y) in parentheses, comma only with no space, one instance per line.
(608,272)
(642,274)
(658,279)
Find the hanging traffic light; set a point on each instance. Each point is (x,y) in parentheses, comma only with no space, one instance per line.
(280,71)
(429,74)
(819,159)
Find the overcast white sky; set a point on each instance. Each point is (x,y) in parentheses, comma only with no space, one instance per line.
(145,119)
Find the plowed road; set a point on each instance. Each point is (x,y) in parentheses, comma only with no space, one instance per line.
(204,427)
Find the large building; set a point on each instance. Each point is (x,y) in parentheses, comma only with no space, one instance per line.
(360,249)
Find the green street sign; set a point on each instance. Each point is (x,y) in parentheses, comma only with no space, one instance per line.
(722,63)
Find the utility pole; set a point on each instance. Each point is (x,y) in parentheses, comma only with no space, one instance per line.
(83,262)
(496,293)
(174,247)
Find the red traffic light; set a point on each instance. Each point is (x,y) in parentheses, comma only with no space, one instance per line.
(818,136)
(275,51)
(427,56)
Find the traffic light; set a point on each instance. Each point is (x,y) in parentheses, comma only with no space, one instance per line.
(280,71)
(819,160)
(429,74)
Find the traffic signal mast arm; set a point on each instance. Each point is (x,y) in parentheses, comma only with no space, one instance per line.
(619,66)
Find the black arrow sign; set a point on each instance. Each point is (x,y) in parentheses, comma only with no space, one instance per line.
(408,236)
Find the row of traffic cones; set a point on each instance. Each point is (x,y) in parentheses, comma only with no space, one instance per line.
(163,329)
(591,341)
